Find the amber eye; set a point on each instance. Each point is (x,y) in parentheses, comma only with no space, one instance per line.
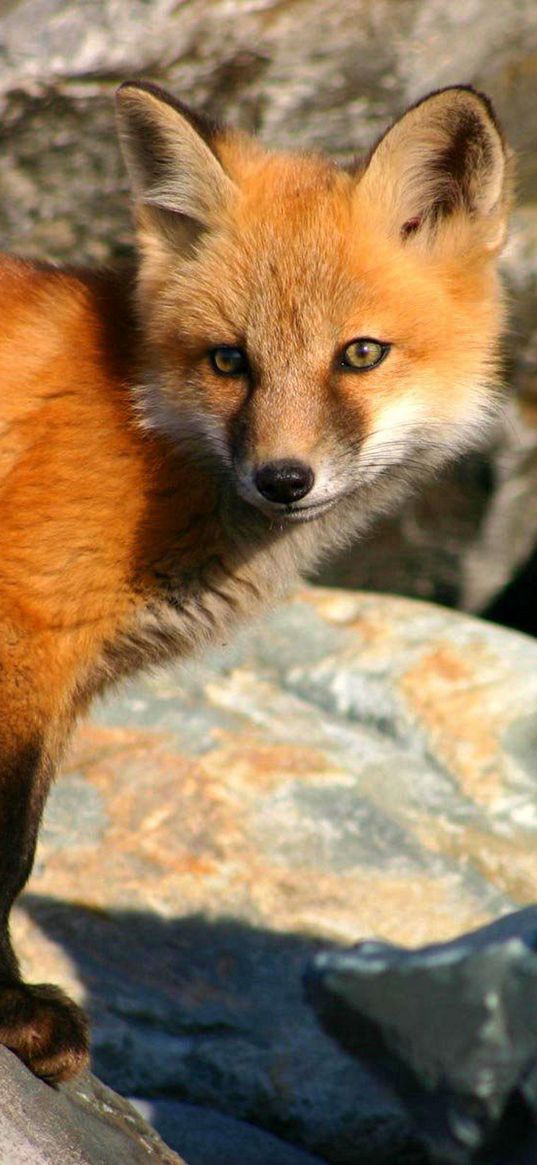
(229,361)
(363,354)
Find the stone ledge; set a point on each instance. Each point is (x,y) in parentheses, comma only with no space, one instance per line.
(82,1123)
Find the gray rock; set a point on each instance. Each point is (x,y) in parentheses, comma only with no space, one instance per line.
(82,1123)
(452,1027)
(206,1137)
(74,816)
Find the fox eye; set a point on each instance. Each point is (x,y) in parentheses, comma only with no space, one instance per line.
(363,354)
(229,361)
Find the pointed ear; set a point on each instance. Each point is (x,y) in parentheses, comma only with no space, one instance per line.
(171,160)
(445,160)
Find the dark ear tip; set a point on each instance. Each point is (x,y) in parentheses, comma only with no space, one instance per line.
(485,101)
(482,98)
(135,86)
(205,126)
(126,85)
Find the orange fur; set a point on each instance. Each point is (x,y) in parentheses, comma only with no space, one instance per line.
(133,527)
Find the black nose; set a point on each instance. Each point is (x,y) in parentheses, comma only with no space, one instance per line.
(284,481)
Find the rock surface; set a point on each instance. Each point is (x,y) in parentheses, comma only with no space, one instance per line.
(82,1123)
(452,1027)
(353,765)
(306,73)
(209,1138)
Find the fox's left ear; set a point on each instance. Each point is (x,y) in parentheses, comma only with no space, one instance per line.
(175,172)
(443,163)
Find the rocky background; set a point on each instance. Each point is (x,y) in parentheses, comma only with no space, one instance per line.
(353,765)
(317,73)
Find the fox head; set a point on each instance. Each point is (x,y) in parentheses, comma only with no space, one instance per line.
(317,329)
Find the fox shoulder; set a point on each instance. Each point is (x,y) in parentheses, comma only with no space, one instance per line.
(66,350)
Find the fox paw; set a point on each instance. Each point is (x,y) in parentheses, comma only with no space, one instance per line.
(45,1029)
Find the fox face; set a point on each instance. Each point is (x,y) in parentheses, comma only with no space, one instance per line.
(315,330)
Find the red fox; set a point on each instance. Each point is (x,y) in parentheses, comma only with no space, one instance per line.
(298,344)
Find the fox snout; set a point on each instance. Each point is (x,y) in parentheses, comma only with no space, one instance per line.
(284,487)
(284,482)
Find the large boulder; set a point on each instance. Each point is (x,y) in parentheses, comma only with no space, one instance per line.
(354,765)
(315,73)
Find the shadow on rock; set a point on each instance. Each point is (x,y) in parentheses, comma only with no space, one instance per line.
(210,1011)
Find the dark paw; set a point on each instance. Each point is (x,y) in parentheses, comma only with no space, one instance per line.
(45,1029)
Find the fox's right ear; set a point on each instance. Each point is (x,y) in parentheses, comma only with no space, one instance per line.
(171,160)
(441,175)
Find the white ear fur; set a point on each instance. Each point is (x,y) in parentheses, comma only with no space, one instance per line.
(171,164)
(445,156)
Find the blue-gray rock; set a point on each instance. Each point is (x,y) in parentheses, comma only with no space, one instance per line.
(453,1029)
(81,1123)
(206,1137)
